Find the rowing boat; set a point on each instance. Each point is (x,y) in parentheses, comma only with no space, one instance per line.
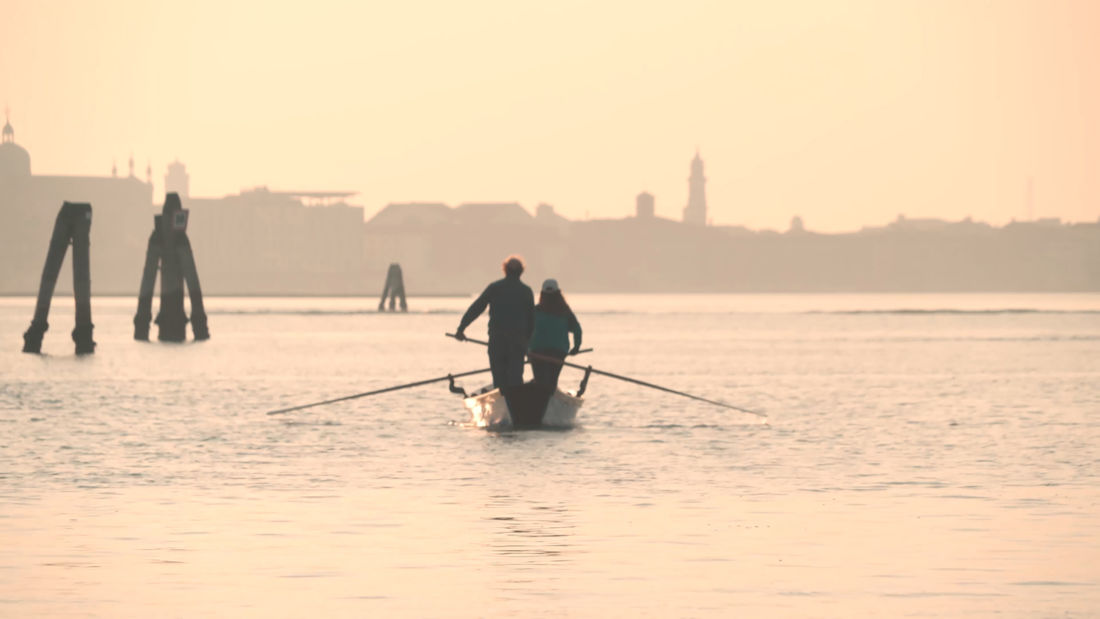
(527,406)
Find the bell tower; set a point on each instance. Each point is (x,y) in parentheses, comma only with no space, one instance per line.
(696,210)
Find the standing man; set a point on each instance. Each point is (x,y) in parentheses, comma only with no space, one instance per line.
(511,320)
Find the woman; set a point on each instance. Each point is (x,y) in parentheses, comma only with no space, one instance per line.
(550,341)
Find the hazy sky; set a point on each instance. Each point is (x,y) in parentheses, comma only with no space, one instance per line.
(844,112)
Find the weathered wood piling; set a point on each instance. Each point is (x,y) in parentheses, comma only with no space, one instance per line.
(394,288)
(171,249)
(73,225)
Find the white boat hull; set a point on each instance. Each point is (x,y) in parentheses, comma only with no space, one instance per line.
(490,410)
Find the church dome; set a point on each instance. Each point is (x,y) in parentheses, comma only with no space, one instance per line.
(14,160)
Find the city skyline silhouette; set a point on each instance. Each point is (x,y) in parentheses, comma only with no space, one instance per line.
(844,114)
(262,241)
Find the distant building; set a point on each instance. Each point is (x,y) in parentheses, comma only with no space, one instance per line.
(122,217)
(258,242)
(270,242)
(177,180)
(644,206)
(433,213)
(545,211)
(545,215)
(498,213)
(797,226)
(696,210)
(920,223)
(412,214)
(14,159)
(454,250)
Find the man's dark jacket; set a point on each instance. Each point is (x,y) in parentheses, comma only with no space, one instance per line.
(511,308)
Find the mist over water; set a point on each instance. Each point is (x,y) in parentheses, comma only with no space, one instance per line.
(924,455)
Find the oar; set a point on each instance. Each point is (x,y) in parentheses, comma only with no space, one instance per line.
(378,391)
(626,378)
(484,343)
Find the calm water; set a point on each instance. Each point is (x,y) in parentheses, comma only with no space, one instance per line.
(919,462)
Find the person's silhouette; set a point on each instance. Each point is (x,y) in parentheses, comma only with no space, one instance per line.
(511,320)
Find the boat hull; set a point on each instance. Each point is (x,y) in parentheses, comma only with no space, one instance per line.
(525,406)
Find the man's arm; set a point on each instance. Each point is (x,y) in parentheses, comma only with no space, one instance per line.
(575,328)
(475,310)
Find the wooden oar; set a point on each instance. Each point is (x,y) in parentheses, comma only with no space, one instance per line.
(484,343)
(624,378)
(378,391)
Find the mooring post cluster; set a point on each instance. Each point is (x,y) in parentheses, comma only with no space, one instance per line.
(170,248)
(73,225)
(169,252)
(394,288)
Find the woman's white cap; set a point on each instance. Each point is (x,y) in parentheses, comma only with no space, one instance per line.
(550,285)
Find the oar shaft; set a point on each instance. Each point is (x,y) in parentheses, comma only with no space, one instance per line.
(625,378)
(665,389)
(484,343)
(378,391)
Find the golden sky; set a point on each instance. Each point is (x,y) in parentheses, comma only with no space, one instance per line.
(844,112)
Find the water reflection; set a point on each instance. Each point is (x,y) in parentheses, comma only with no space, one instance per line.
(531,542)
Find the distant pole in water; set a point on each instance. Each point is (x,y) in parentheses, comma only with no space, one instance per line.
(394,288)
(171,249)
(73,224)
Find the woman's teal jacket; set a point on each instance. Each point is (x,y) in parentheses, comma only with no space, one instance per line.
(552,331)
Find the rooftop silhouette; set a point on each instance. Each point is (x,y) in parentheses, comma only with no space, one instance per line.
(264,241)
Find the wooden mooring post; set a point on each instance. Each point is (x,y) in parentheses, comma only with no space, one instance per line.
(395,288)
(171,249)
(73,225)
